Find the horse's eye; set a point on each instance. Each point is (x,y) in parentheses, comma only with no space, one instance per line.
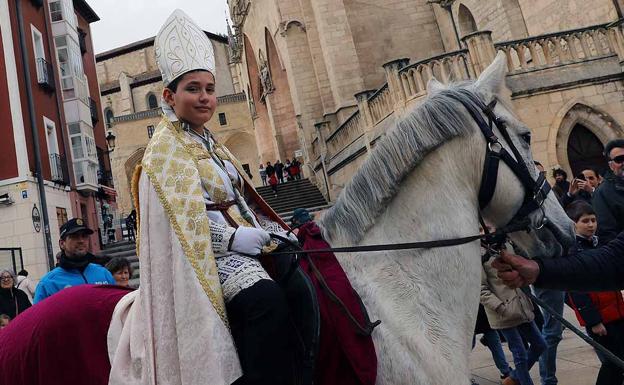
(526,137)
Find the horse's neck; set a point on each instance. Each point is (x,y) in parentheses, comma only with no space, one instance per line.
(437,200)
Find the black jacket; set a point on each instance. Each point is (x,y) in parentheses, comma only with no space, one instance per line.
(590,270)
(270,170)
(13,301)
(608,202)
(580,300)
(567,199)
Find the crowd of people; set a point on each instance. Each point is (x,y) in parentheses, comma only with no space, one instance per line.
(274,174)
(75,266)
(595,203)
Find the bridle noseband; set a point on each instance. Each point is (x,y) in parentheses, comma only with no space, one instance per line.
(535,191)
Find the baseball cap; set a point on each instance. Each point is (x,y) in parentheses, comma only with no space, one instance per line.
(73,226)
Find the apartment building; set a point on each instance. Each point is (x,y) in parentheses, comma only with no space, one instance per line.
(62,107)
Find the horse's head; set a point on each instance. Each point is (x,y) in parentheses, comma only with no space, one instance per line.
(509,194)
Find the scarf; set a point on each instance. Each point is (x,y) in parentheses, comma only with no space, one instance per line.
(76,263)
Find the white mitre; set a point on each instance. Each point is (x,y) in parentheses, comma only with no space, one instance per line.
(181,46)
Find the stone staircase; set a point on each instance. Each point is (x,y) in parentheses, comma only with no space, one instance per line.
(124,249)
(292,195)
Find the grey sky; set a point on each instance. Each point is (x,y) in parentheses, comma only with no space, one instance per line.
(126,21)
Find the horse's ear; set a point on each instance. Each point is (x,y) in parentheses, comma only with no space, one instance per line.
(492,80)
(434,86)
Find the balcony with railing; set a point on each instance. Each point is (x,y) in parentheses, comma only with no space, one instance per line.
(446,68)
(345,134)
(58,169)
(45,74)
(560,48)
(94,110)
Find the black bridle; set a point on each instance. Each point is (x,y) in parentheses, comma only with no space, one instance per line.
(535,191)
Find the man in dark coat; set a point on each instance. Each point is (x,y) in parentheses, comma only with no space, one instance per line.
(279,171)
(346,356)
(590,270)
(270,170)
(582,188)
(608,199)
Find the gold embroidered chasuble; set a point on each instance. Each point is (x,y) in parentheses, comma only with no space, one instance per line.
(179,169)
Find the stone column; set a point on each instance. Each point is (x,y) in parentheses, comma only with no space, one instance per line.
(126,103)
(322,131)
(367,119)
(392,69)
(480,50)
(616,38)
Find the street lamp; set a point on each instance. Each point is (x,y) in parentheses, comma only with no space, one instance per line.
(110,140)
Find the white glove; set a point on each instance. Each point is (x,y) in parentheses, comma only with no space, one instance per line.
(290,235)
(249,240)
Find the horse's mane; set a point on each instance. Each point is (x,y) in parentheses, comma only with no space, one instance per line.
(439,118)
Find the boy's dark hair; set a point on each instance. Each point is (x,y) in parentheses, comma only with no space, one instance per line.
(560,172)
(579,208)
(173,85)
(23,272)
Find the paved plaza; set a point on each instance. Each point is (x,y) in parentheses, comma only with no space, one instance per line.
(577,363)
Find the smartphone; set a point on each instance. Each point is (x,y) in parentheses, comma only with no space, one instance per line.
(580,176)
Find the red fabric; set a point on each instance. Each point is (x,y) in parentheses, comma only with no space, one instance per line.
(609,304)
(62,339)
(345,357)
(273,179)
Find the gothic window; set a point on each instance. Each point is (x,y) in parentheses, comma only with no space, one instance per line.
(152,101)
(467,24)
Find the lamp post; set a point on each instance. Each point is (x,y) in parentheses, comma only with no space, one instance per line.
(110,141)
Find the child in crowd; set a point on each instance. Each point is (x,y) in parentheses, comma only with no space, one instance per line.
(511,312)
(4,320)
(602,313)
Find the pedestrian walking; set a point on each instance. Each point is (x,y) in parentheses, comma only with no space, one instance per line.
(279,171)
(263,174)
(511,312)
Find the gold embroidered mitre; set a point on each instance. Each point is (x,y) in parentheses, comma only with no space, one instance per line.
(181,46)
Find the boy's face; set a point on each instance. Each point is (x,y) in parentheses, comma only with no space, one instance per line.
(586,225)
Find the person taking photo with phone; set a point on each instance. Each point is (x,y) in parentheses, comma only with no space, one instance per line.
(582,187)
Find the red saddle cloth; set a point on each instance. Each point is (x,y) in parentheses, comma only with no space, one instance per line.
(62,339)
(345,357)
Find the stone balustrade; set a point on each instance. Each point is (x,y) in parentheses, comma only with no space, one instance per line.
(584,55)
(562,48)
(380,104)
(316,151)
(345,134)
(452,66)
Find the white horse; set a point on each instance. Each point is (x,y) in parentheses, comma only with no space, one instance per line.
(421,183)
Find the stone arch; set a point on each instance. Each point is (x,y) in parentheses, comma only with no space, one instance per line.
(265,135)
(131,163)
(283,110)
(243,146)
(467,23)
(580,116)
(151,101)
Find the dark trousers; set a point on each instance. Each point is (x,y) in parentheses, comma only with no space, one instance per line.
(260,325)
(610,374)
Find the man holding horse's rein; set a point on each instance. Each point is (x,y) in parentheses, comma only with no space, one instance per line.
(590,270)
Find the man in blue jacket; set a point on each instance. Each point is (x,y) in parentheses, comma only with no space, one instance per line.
(74,267)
